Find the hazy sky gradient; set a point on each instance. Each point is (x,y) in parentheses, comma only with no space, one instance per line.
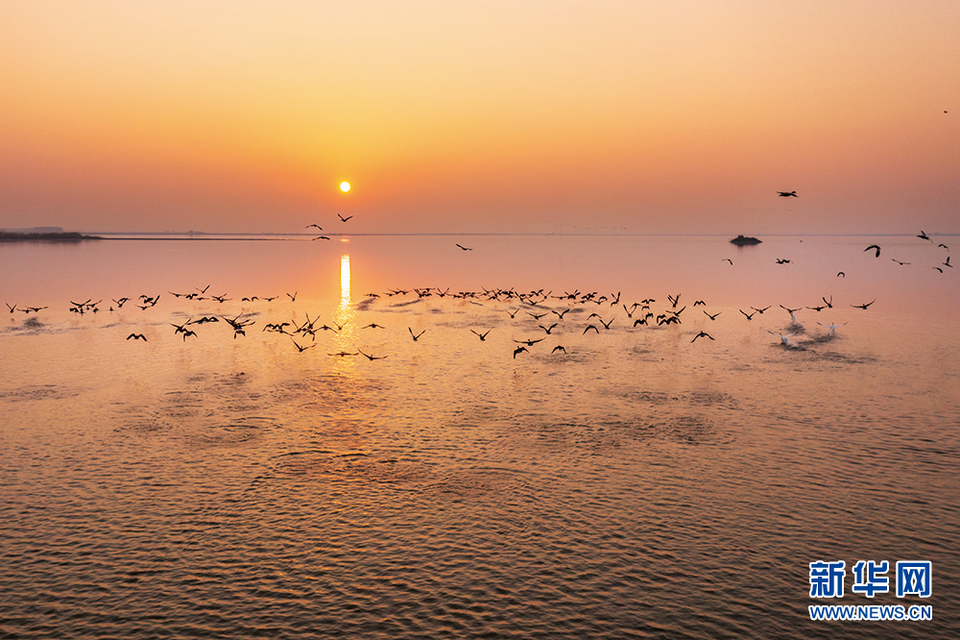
(481,116)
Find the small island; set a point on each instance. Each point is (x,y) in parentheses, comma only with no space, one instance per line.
(43,234)
(742,241)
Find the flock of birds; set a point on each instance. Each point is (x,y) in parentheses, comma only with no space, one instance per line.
(923,236)
(549,315)
(537,305)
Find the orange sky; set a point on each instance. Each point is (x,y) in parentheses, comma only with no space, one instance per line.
(646,116)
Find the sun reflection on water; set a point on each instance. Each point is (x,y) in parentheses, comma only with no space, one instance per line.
(345,280)
(345,318)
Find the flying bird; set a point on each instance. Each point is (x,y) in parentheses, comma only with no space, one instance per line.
(314,225)
(302,349)
(137,336)
(702,334)
(832,327)
(875,247)
(863,306)
(482,336)
(728,260)
(517,351)
(342,219)
(415,336)
(464,248)
(783,338)
(558,348)
(714,316)
(787,194)
(923,235)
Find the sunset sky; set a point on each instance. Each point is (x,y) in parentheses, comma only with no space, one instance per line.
(481,116)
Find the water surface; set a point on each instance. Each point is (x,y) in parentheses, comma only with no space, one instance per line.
(637,484)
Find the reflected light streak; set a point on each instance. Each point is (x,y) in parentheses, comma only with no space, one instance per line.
(345,319)
(344,281)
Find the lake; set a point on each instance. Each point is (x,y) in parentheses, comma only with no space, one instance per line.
(313,471)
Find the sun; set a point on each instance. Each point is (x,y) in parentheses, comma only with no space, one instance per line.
(344,186)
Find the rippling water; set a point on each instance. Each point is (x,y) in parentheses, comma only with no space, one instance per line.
(639,484)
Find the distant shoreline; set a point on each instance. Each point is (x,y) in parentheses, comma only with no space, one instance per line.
(55,236)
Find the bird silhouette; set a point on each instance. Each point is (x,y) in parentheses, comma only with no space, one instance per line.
(748,315)
(728,260)
(923,235)
(702,334)
(415,336)
(517,351)
(482,336)
(370,357)
(301,349)
(342,219)
(558,348)
(529,343)
(464,248)
(712,317)
(319,228)
(787,194)
(863,306)
(137,336)
(876,248)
